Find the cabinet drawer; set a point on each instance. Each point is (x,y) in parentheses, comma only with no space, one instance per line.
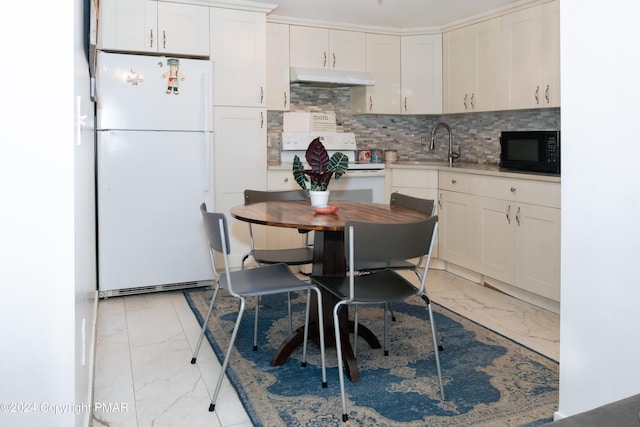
(522,190)
(459,182)
(415,178)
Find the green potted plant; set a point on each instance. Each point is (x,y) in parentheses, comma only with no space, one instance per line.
(323,168)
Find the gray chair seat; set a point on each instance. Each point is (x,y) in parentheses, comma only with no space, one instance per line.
(385,285)
(292,256)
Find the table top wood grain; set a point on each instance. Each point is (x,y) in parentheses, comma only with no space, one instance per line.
(301,215)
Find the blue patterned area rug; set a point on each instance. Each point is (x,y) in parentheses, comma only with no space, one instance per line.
(489,379)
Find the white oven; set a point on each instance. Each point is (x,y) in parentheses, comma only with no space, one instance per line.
(361,182)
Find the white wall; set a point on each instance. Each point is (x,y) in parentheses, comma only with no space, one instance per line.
(43,192)
(600,332)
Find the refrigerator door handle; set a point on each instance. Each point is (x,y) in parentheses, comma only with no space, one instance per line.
(207,160)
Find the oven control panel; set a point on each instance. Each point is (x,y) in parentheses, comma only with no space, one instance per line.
(331,141)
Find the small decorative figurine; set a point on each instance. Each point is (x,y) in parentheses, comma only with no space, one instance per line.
(173,76)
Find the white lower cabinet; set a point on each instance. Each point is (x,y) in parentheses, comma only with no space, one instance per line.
(459,233)
(521,241)
(422,183)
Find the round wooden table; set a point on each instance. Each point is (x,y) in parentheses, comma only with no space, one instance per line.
(328,257)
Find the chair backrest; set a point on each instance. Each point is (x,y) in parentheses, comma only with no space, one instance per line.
(257,196)
(399,200)
(217,231)
(375,242)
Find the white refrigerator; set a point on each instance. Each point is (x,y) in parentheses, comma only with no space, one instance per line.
(154,169)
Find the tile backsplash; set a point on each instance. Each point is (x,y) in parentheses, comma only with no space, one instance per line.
(476,134)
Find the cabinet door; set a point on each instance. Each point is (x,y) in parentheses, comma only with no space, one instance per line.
(278,87)
(458,70)
(421,74)
(383,62)
(523,58)
(309,47)
(497,239)
(487,81)
(459,233)
(240,159)
(537,248)
(347,50)
(183,29)
(129,25)
(239,52)
(551,59)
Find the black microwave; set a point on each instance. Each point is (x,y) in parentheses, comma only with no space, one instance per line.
(530,151)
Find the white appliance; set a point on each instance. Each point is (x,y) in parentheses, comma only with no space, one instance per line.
(359,176)
(154,169)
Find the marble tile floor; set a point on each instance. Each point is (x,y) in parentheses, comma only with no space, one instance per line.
(143,375)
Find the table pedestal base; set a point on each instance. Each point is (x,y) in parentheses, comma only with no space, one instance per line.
(328,260)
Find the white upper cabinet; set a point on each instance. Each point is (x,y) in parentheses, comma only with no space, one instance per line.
(421,74)
(312,47)
(278,87)
(383,62)
(472,67)
(239,55)
(154,26)
(532,57)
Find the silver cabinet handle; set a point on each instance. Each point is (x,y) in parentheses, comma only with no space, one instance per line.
(405,103)
(285,99)
(465,101)
(518,216)
(261,120)
(286,179)
(164,39)
(151,39)
(440,201)
(473,105)
(508,214)
(546,94)
(513,189)
(334,60)
(370,103)
(453,181)
(537,95)
(261,94)
(324,63)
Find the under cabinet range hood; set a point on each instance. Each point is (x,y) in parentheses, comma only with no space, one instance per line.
(330,77)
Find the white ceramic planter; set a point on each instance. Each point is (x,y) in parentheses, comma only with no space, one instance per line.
(319,199)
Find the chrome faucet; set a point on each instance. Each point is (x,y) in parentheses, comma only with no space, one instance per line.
(451,155)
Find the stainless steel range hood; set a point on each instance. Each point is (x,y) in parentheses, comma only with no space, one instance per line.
(330,77)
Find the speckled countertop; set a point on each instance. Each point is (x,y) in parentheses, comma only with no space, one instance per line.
(476,168)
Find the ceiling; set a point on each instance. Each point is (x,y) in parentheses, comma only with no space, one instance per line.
(392,14)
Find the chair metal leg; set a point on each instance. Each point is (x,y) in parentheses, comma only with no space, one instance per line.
(336,324)
(321,331)
(393,316)
(355,331)
(255,326)
(435,344)
(386,329)
(204,324)
(289,312)
(212,406)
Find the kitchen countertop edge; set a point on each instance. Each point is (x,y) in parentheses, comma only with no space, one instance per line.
(474,168)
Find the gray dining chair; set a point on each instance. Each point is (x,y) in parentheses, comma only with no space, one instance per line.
(300,255)
(400,201)
(394,242)
(253,282)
